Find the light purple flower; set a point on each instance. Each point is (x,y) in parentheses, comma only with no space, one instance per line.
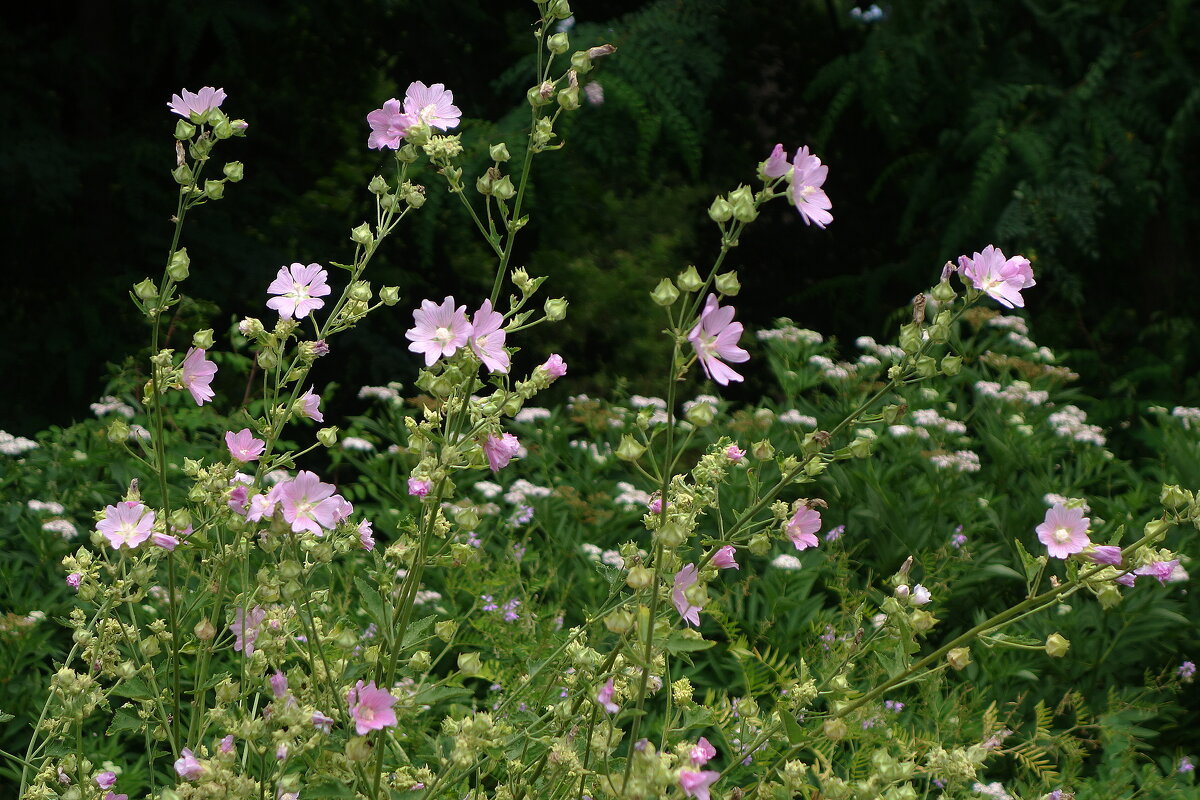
(74,579)
(803,526)
(310,505)
(594,93)
(226,745)
(776,165)
(196,374)
(439,330)
(920,596)
(734,453)
(106,780)
(1106,554)
(321,722)
(388,126)
(433,105)
(715,337)
(1186,671)
(195,106)
(487,338)
(366,537)
(499,450)
(998,277)
(555,367)
(279,683)
(1186,765)
(127,524)
(419,487)
(243,446)
(695,784)
(605,697)
(245,627)
(262,506)
(684,579)
(299,288)
(702,753)
(1158,569)
(187,766)
(1064,531)
(164,540)
(310,405)
(370,707)
(724,558)
(808,177)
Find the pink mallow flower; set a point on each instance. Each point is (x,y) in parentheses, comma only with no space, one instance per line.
(555,367)
(999,278)
(127,524)
(309,405)
(1108,554)
(776,165)
(1064,531)
(724,558)
(810,199)
(310,505)
(1158,569)
(106,780)
(299,289)
(734,453)
(695,784)
(702,753)
(605,697)
(164,540)
(370,707)
(499,450)
(715,337)
(366,536)
(196,105)
(388,126)
(684,579)
(439,330)
(433,105)
(74,579)
(803,526)
(243,446)
(196,374)
(187,766)
(245,627)
(487,338)
(418,487)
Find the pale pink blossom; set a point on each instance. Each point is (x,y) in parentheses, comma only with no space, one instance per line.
(1106,554)
(388,126)
(433,105)
(262,506)
(164,540)
(695,784)
(715,337)
(279,683)
(366,537)
(702,753)
(310,505)
(684,579)
(920,595)
(724,558)
(245,627)
(555,367)
(310,405)
(74,579)
(225,747)
(419,487)
(998,277)
(106,779)
(1064,531)
(605,697)
(499,450)
(1158,569)
(196,374)
(299,289)
(803,526)
(196,105)
(808,176)
(370,707)
(187,766)
(776,165)
(734,453)
(127,524)
(243,446)
(439,330)
(487,338)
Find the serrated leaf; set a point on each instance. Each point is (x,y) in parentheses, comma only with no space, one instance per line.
(134,688)
(126,719)
(679,642)
(374,603)
(416,630)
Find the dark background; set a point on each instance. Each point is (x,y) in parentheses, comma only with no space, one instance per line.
(1065,131)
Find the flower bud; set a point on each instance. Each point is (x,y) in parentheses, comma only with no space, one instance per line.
(742,200)
(671,534)
(951,365)
(222,128)
(619,621)
(639,577)
(630,449)
(499,152)
(408,153)
(184,130)
(581,62)
(360,291)
(328,436)
(536,97)
(378,185)
(901,592)
(926,366)
(214,190)
(559,9)
(569,98)
(268,359)
(1156,528)
(420,661)
(728,284)
(959,657)
(118,430)
(665,293)
(1174,497)
(182,174)
(720,210)
(361,234)
(503,189)
(179,265)
(760,544)
(689,280)
(469,664)
(922,621)
(835,729)
(204,630)
(358,750)
(1057,645)
(390,295)
(701,414)
(762,450)
(910,338)
(558,44)
(203,339)
(520,279)
(146,290)
(943,293)
(446,629)
(556,309)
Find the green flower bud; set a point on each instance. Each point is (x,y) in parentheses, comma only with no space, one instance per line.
(222,128)
(939,334)
(720,210)
(268,359)
(1057,645)
(619,621)
(503,189)
(537,96)
(203,339)
(204,630)
(446,629)
(630,449)
(558,44)
(639,577)
(234,171)
(184,130)
(415,196)
(569,98)
(118,431)
(483,184)
(728,284)
(499,152)
(378,185)
(469,664)
(520,279)
(581,62)
(835,729)
(689,280)
(665,293)
(671,534)
(1157,528)
(408,153)
(126,670)
(361,234)
(179,265)
(1174,497)
(951,365)
(893,413)
(360,291)
(944,293)
(910,338)
(146,290)
(926,367)
(358,750)
(760,544)
(420,661)
(922,621)
(701,414)
(390,295)
(182,174)
(861,447)
(556,309)
(560,9)
(762,450)
(742,200)
(1109,596)
(328,436)
(959,657)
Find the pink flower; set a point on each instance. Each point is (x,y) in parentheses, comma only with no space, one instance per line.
(164,540)
(74,579)
(605,697)
(803,526)
(310,505)
(310,405)
(716,337)
(695,784)
(321,722)
(365,536)
(106,780)
(370,707)
(298,288)
(196,106)
(418,487)
(1064,531)
(127,524)
(226,745)
(279,683)
(734,453)
(439,330)
(500,450)
(702,752)
(243,446)
(262,506)
(807,178)
(1158,569)
(188,767)
(487,338)
(115,796)
(999,278)
(196,373)
(555,367)
(776,165)
(244,628)
(1106,554)
(594,93)
(684,579)
(388,126)
(920,595)
(724,558)
(432,105)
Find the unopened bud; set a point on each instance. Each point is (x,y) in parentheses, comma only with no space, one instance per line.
(203,339)
(184,130)
(630,449)
(671,534)
(665,293)
(959,657)
(469,664)
(619,621)
(926,367)
(569,98)
(689,280)
(728,284)
(361,234)
(951,365)
(360,291)
(204,630)
(560,9)
(742,200)
(408,153)
(378,185)
(1174,497)
(760,544)
(328,436)
(910,338)
(420,661)
(390,295)
(943,293)
(639,577)
(762,450)
(701,414)
(503,189)
(146,290)
(558,44)
(182,174)
(499,152)
(1057,645)
(179,265)
(556,309)
(446,629)
(835,729)
(580,62)
(118,431)
(720,210)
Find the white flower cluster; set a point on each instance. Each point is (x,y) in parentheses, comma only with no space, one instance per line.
(701,399)
(46,507)
(522,490)
(532,414)
(389,393)
(790,334)
(961,460)
(600,452)
(1187,416)
(1017,325)
(610,557)
(830,370)
(794,417)
(883,352)
(638,401)
(631,498)
(785,561)
(355,443)
(1052,499)
(993,789)
(112,405)
(15,445)
(930,418)
(62,527)
(1071,423)
(1015,392)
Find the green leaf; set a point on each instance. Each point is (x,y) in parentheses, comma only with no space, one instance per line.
(374,603)
(126,719)
(681,642)
(795,733)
